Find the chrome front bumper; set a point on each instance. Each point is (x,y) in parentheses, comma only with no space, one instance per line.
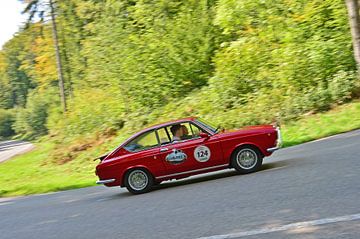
(278,141)
(270,150)
(105,181)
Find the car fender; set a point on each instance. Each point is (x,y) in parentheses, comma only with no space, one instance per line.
(249,143)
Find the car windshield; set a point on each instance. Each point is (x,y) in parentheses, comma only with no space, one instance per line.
(207,125)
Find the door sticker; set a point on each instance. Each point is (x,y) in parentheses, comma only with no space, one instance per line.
(202,153)
(176,157)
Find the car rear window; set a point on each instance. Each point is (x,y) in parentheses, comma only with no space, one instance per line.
(142,142)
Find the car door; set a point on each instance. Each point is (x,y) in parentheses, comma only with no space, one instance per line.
(190,153)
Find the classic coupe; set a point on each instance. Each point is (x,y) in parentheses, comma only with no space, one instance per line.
(182,148)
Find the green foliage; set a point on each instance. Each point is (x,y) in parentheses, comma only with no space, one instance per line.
(342,86)
(15,81)
(31,121)
(95,111)
(165,50)
(292,45)
(7,119)
(128,64)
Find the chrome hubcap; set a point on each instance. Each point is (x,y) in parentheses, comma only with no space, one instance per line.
(246,158)
(138,180)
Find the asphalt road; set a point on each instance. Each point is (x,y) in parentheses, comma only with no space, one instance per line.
(308,191)
(10,148)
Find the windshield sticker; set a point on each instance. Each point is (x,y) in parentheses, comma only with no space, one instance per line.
(202,153)
(176,157)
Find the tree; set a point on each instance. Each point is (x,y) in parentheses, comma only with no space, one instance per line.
(33,7)
(58,59)
(15,81)
(354,19)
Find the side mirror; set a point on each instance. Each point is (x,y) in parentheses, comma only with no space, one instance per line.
(203,135)
(220,129)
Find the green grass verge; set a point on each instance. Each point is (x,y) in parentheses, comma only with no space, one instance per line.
(35,172)
(341,119)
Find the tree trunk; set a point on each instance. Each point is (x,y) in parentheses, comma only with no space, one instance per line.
(354,19)
(58,59)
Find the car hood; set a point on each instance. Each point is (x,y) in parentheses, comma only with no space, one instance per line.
(248,130)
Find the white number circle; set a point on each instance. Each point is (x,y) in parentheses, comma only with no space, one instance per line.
(202,153)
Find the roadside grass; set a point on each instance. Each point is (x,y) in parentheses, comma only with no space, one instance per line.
(33,173)
(36,171)
(341,119)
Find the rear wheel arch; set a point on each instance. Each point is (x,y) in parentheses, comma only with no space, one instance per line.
(126,171)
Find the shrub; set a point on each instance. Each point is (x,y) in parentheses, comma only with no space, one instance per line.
(31,121)
(7,118)
(89,112)
(342,86)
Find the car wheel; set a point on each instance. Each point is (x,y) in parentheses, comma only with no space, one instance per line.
(247,159)
(138,181)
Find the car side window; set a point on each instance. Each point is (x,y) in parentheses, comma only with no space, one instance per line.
(142,142)
(184,131)
(163,136)
(196,130)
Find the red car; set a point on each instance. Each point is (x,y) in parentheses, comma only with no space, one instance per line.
(182,148)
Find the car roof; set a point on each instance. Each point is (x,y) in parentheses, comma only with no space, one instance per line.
(153,127)
(167,123)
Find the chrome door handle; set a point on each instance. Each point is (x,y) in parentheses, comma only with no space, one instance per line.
(164,149)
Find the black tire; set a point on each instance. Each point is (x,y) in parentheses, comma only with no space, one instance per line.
(157,183)
(138,181)
(247,159)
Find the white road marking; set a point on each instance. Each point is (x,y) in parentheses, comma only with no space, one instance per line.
(7,199)
(291,226)
(72,200)
(92,194)
(325,138)
(274,169)
(45,194)
(47,222)
(343,135)
(102,199)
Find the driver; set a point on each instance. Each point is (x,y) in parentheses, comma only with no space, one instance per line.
(176,131)
(179,132)
(185,133)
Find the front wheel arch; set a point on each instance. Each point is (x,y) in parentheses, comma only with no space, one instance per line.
(244,146)
(253,146)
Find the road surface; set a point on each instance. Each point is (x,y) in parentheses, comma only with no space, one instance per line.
(309,191)
(10,148)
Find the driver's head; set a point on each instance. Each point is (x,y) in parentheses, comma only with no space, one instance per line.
(184,130)
(176,130)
